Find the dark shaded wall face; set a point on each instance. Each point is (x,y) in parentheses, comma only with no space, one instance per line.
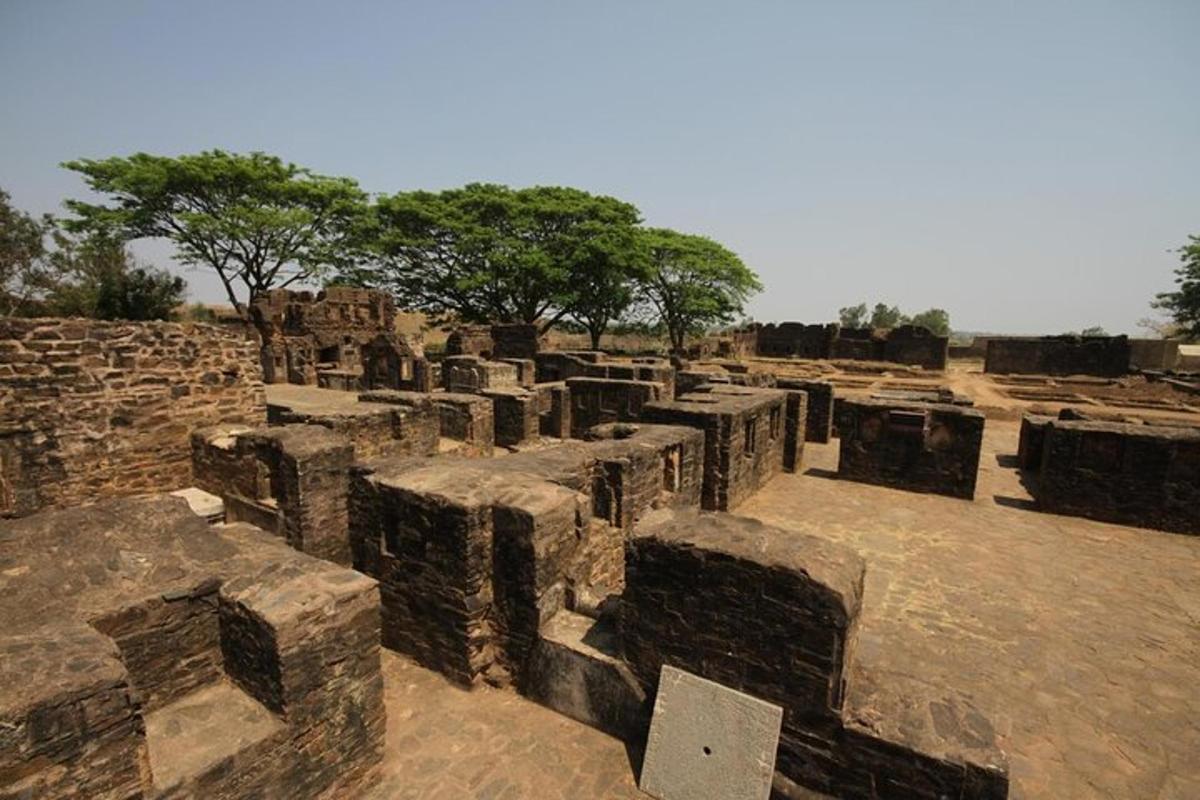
(1106,356)
(919,448)
(1142,475)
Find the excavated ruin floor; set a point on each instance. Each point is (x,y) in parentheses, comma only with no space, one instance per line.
(1079,640)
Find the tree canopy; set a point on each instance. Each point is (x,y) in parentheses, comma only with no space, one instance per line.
(885,316)
(937,320)
(1183,304)
(489,253)
(258,222)
(693,283)
(26,272)
(853,316)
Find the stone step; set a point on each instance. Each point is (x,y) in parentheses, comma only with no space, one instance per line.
(197,738)
(576,671)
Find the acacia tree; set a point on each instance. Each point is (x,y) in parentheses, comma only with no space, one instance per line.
(693,283)
(259,222)
(488,253)
(1183,304)
(605,272)
(853,316)
(937,320)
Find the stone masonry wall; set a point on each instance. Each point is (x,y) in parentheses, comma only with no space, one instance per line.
(90,408)
(921,448)
(1059,355)
(1144,475)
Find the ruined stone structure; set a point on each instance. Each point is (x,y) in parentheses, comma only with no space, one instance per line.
(290,481)
(385,423)
(473,558)
(906,344)
(90,409)
(474,374)
(501,341)
(390,362)
(1154,354)
(818,426)
(744,434)
(774,613)
(921,448)
(796,339)
(1144,475)
(1059,355)
(148,655)
(560,365)
(466,418)
(596,401)
(305,333)
(515,415)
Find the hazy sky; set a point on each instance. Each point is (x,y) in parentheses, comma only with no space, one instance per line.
(1025,165)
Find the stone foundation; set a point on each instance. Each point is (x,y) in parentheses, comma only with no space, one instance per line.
(189,664)
(744,436)
(921,448)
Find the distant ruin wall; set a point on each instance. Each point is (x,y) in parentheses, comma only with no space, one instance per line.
(906,344)
(1106,356)
(90,408)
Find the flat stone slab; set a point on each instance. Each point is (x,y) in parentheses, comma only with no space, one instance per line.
(203,504)
(709,742)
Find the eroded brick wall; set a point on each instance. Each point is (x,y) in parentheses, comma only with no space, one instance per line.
(91,408)
(1059,355)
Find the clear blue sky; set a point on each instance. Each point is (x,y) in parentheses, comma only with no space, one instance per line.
(1025,165)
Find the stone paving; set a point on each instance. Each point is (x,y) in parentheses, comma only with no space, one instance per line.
(446,743)
(1078,640)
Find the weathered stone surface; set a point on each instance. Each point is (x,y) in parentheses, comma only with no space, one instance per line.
(818,426)
(774,613)
(597,401)
(136,608)
(304,333)
(475,555)
(743,437)
(561,365)
(1143,475)
(116,422)
(709,742)
(473,374)
(467,418)
(918,447)
(383,423)
(577,670)
(514,415)
(290,480)
(1058,355)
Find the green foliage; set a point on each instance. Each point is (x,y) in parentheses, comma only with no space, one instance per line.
(853,316)
(1094,330)
(1183,304)
(254,219)
(693,282)
(488,253)
(936,320)
(26,272)
(885,316)
(101,280)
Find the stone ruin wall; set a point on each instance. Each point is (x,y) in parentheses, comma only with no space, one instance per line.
(90,409)
(905,344)
(1106,356)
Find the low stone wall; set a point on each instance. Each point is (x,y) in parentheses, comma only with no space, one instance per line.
(1143,475)
(1106,356)
(921,448)
(744,432)
(515,415)
(596,401)
(1154,354)
(796,339)
(818,425)
(467,418)
(90,409)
